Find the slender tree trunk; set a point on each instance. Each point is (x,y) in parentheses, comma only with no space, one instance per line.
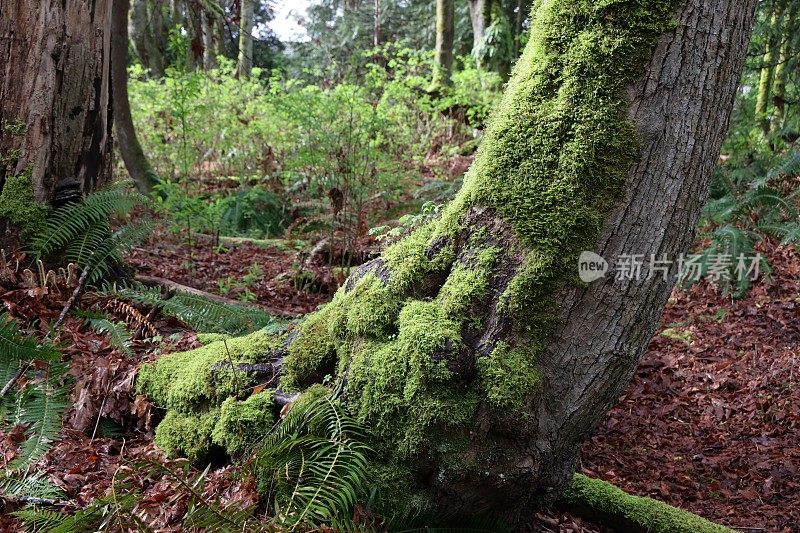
(144,28)
(211,40)
(521,14)
(376,30)
(245,61)
(470,348)
(479,15)
(55,106)
(132,154)
(768,71)
(782,68)
(445,30)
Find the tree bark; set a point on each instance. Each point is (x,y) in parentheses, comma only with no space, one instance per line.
(245,61)
(470,348)
(145,30)
(55,105)
(768,70)
(135,160)
(479,15)
(445,31)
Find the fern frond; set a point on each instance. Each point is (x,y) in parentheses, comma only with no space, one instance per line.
(35,485)
(40,407)
(321,453)
(200,313)
(70,221)
(15,346)
(118,336)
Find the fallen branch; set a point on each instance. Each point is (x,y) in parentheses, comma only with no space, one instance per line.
(153,281)
(75,294)
(603,503)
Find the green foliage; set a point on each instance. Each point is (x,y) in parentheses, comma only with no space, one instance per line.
(313,466)
(117,333)
(198,312)
(285,143)
(81,232)
(746,206)
(38,405)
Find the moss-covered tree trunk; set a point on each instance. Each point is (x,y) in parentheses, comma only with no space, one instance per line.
(471,348)
(55,106)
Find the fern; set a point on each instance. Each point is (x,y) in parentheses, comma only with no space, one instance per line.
(200,313)
(14,346)
(41,408)
(82,234)
(319,454)
(117,335)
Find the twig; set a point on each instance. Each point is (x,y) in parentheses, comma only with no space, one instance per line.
(75,294)
(233,368)
(31,500)
(22,369)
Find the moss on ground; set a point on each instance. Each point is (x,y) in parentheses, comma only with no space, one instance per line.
(605,501)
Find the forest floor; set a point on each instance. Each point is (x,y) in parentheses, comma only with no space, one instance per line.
(709,423)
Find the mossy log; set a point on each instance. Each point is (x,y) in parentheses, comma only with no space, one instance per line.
(470,348)
(603,503)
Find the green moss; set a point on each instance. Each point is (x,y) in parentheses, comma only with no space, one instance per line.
(18,205)
(554,158)
(15,127)
(604,499)
(242,423)
(310,351)
(185,381)
(508,375)
(208,338)
(402,389)
(186,435)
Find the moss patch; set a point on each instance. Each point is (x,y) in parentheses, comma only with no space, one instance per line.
(18,205)
(185,381)
(508,375)
(186,434)
(599,498)
(242,423)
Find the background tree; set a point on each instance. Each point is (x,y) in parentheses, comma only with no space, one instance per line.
(469,347)
(55,113)
(245,58)
(132,154)
(445,28)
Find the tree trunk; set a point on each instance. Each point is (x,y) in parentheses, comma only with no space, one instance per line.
(132,154)
(785,56)
(144,29)
(245,61)
(768,71)
(445,31)
(211,39)
(479,15)
(55,106)
(470,348)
